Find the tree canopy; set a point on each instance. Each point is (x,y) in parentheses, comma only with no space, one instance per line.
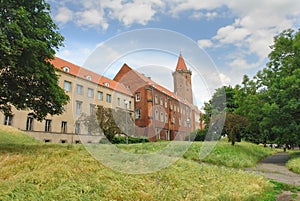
(113,122)
(28,40)
(270,102)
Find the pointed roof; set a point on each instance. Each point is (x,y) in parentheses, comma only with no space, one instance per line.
(181,64)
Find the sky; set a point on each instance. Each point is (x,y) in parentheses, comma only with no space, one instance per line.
(229,38)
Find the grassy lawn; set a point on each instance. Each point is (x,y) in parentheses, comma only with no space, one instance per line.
(241,155)
(294,163)
(32,170)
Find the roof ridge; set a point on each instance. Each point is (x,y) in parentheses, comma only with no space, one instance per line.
(82,72)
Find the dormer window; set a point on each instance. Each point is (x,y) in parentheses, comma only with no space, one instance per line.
(88,77)
(106,84)
(66,69)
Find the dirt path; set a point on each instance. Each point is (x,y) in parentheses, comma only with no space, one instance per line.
(273,167)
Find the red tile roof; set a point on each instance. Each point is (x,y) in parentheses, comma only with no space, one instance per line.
(181,64)
(83,73)
(150,82)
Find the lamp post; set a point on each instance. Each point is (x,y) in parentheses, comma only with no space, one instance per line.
(188,125)
(126,126)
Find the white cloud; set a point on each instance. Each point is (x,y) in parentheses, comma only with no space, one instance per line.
(251,33)
(64,15)
(205,43)
(137,11)
(91,17)
(224,79)
(241,63)
(231,34)
(183,5)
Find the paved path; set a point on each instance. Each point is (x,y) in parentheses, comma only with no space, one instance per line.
(273,167)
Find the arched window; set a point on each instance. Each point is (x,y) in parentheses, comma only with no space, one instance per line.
(89,77)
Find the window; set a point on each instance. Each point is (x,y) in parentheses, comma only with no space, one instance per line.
(78,107)
(88,77)
(174,107)
(129,104)
(168,135)
(79,89)
(161,101)
(106,84)
(108,98)
(156,115)
(66,69)
(137,96)
(100,95)
(67,86)
(158,133)
(8,120)
(29,123)
(156,99)
(64,127)
(166,118)
(77,128)
(166,103)
(48,125)
(162,117)
(92,109)
(90,93)
(137,113)
(119,102)
(173,120)
(89,130)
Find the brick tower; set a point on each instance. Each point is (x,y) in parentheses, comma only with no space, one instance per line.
(183,81)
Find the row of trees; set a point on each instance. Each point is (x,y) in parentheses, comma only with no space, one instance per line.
(266,108)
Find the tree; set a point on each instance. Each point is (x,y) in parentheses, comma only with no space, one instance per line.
(271,101)
(222,101)
(250,102)
(113,122)
(281,79)
(234,126)
(28,41)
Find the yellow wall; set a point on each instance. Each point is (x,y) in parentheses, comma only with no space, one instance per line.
(70,116)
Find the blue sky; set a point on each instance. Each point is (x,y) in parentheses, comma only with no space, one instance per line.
(235,34)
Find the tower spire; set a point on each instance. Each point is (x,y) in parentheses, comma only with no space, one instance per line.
(180,63)
(183,80)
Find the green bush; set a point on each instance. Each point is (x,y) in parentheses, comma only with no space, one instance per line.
(198,135)
(104,141)
(131,140)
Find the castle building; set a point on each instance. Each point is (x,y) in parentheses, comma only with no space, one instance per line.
(160,113)
(86,90)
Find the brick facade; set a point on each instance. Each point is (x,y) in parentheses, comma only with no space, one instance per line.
(160,113)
